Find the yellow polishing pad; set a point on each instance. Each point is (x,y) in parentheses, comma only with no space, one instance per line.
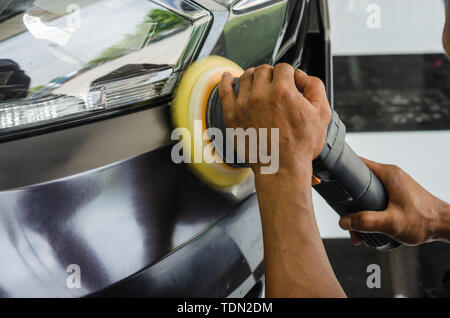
(189,112)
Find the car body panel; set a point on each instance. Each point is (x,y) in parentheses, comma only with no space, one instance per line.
(112,222)
(103,194)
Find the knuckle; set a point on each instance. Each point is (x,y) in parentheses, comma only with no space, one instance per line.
(394,169)
(315,81)
(248,72)
(226,75)
(283,66)
(326,112)
(393,227)
(264,67)
(362,221)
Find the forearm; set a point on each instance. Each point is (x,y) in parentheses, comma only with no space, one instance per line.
(296,264)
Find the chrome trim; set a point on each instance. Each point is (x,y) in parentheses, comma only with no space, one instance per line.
(244,6)
(282,34)
(201,20)
(325,15)
(220,18)
(291,41)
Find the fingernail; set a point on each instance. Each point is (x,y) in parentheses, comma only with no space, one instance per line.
(226,74)
(299,70)
(345,223)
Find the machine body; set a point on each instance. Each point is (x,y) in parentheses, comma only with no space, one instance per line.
(340,176)
(347,184)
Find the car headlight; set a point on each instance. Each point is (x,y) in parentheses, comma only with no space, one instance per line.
(93,56)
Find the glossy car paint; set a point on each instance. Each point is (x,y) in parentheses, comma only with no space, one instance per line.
(105,195)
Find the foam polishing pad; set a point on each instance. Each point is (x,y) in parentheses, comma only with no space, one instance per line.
(189,113)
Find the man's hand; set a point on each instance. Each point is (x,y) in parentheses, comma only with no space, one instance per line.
(295,262)
(279,97)
(414,216)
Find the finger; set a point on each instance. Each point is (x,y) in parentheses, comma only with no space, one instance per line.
(312,88)
(283,72)
(369,221)
(391,176)
(262,76)
(246,82)
(301,71)
(226,95)
(376,167)
(356,239)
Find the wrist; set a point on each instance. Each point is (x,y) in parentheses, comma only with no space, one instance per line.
(290,185)
(298,170)
(441,227)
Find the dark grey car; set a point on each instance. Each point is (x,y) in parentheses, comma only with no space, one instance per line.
(91,203)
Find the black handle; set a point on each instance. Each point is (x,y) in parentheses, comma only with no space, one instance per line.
(347,184)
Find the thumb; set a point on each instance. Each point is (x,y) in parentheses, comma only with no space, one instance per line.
(311,87)
(356,239)
(368,221)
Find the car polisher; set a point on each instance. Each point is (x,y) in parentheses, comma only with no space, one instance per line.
(340,176)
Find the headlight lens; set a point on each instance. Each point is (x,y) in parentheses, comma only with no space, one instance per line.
(72,59)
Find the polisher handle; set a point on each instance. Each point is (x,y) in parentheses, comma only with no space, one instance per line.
(347,184)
